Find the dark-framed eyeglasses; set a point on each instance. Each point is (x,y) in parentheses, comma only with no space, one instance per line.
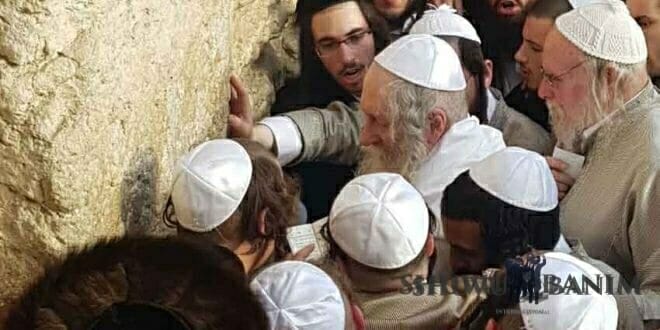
(330,48)
(553,80)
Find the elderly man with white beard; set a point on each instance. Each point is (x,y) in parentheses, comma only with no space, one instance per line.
(604,107)
(416,121)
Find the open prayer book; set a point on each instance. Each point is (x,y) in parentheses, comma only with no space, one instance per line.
(303,235)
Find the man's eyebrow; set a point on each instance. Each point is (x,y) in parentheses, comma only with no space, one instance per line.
(533,42)
(353,31)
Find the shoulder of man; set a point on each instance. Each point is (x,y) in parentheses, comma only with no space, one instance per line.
(520,131)
(417,310)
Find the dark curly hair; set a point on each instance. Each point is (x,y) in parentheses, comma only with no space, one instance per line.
(507,231)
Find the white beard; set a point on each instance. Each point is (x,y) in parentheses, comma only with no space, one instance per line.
(403,158)
(569,133)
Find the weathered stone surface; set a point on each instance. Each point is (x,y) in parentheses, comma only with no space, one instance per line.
(98,100)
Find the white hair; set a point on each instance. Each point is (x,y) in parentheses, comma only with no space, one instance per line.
(409,107)
(602,100)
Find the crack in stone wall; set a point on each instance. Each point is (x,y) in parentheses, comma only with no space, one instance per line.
(99,99)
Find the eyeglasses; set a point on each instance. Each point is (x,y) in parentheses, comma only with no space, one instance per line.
(554,79)
(330,48)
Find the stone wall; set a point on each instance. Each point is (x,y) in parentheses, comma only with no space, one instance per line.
(98,100)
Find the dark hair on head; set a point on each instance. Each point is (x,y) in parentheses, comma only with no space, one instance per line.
(317,86)
(507,231)
(415,11)
(472,58)
(271,190)
(162,281)
(550,9)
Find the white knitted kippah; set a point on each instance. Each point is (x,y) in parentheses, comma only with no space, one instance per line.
(445,22)
(604,29)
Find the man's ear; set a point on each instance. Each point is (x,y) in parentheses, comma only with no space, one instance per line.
(438,123)
(261,222)
(488,73)
(429,247)
(358,317)
(492,325)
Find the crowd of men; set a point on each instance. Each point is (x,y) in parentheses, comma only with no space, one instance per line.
(438,149)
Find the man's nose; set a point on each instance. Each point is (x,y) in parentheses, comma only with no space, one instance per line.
(520,55)
(545,92)
(346,53)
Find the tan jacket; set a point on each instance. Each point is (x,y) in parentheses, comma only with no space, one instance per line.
(333,134)
(518,130)
(614,206)
(395,310)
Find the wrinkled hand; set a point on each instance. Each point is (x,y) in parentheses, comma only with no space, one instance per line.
(241,123)
(300,255)
(563,180)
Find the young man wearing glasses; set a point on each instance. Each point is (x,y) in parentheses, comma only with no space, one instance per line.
(338,42)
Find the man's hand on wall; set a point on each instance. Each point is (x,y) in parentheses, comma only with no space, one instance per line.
(241,122)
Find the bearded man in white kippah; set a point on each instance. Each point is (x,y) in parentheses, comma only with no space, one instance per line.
(415,121)
(604,107)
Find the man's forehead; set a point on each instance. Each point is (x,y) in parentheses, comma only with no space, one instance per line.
(559,53)
(374,88)
(337,21)
(536,29)
(640,8)
(463,233)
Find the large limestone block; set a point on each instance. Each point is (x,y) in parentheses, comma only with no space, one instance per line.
(98,100)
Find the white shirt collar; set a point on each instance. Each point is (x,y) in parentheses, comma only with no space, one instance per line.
(464,143)
(492,105)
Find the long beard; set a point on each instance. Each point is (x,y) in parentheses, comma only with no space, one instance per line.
(404,157)
(569,132)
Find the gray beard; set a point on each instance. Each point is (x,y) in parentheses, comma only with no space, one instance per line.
(568,136)
(404,158)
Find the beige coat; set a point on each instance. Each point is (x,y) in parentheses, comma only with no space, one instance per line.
(408,311)
(333,134)
(518,130)
(614,206)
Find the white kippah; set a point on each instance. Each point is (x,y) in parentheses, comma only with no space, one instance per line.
(380,220)
(572,310)
(298,295)
(210,184)
(425,61)
(580,3)
(445,22)
(605,29)
(519,177)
